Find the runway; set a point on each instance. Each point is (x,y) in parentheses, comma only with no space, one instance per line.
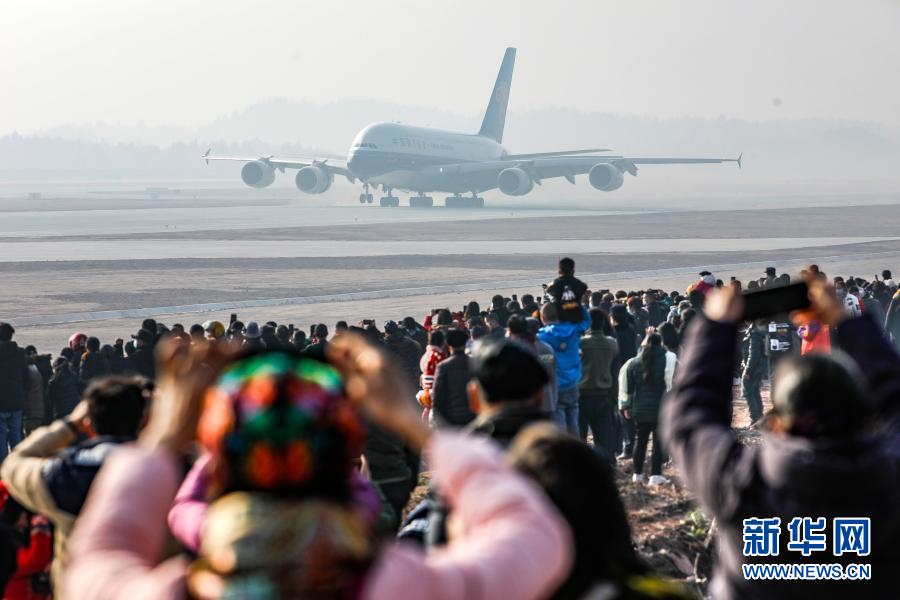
(91,250)
(102,263)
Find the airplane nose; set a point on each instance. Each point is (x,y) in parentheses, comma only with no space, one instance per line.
(353,163)
(358,164)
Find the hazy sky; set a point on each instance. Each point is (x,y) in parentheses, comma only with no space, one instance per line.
(186,63)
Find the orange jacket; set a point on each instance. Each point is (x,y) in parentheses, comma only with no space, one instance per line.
(814,337)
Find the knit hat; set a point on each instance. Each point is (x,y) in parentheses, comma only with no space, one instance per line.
(278,422)
(282,436)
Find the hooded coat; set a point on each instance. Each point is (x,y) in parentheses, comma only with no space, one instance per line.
(565,339)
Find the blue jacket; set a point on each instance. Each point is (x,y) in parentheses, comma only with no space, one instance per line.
(565,339)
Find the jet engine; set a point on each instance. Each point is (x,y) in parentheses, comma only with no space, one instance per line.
(258,174)
(313,179)
(605,177)
(514,181)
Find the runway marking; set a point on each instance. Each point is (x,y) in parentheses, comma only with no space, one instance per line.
(142,313)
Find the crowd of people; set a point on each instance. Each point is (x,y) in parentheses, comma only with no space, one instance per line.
(260,460)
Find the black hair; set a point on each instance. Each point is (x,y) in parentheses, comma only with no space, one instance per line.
(820,396)
(517,325)
(6,332)
(443,317)
(321,331)
(479,331)
(583,487)
(92,344)
(669,336)
(436,337)
(508,371)
(116,404)
(697,298)
(567,266)
(886,274)
(457,338)
(652,347)
(599,319)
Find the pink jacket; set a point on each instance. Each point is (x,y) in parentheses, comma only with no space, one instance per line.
(190,505)
(511,542)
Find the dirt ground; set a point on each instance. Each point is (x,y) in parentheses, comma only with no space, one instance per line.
(669,530)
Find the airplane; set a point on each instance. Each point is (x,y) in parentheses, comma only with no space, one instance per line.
(422,160)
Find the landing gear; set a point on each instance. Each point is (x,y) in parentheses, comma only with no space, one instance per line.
(366,196)
(457,201)
(390,199)
(421,201)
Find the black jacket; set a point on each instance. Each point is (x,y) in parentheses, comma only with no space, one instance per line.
(657,313)
(143,362)
(426,524)
(505,423)
(788,476)
(69,476)
(407,352)
(64,392)
(567,292)
(627,339)
(93,365)
(755,362)
(13,377)
(449,398)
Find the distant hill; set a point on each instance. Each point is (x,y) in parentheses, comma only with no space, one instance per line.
(796,148)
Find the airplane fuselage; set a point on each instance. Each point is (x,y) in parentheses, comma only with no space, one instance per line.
(415,158)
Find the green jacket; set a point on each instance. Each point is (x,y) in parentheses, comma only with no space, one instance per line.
(645,398)
(597,354)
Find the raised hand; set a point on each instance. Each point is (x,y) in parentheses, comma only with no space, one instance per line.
(184,372)
(725,305)
(824,305)
(375,384)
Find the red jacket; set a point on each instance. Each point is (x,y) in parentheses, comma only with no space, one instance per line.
(31,560)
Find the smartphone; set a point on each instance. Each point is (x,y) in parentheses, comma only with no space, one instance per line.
(232,320)
(774,301)
(515,297)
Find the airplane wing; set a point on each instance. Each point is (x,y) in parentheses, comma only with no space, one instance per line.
(550,166)
(330,162)
(556,153)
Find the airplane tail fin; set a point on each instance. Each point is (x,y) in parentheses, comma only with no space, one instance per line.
(495,115)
